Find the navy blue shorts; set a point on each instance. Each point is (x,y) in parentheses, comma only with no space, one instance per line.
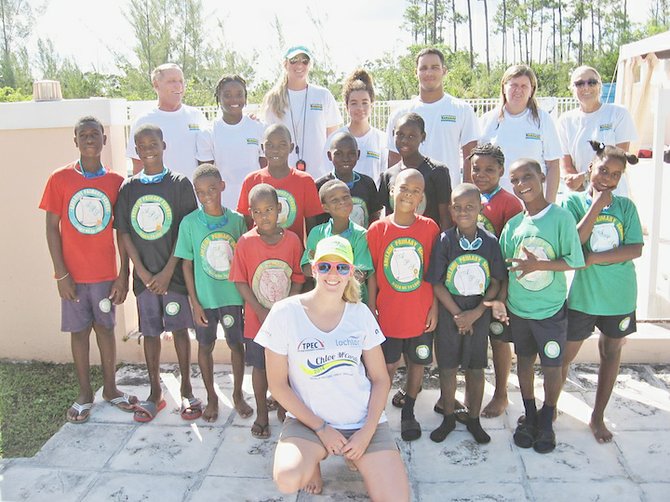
(580,325)
(545,337)
(159,313)
(93,307)
(230,317)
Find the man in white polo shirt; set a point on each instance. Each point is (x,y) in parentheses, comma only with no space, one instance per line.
(180,123)
(451,124)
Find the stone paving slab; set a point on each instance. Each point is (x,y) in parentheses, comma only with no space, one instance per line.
(113,458)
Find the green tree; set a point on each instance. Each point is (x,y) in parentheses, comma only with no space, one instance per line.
(16,21)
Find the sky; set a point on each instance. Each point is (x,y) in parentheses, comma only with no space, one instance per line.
(350,31)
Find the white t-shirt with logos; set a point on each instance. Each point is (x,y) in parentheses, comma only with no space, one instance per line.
(325,370)
(610,124)
(450,124)
(520,136)
(235,150)
(180,133)
(374,153)
(311,112)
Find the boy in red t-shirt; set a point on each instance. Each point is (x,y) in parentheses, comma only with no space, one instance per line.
(79,200)
(265,269)
(298,197)
(400,245)
(498,207)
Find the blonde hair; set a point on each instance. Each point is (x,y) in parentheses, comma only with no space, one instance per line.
(514,71)
(158,71)
(352,293)
(276,99)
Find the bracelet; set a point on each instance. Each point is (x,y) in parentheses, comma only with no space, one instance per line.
(61,278)
(323,426)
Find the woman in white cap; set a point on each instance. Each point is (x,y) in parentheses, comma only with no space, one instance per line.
(308,110)
(607,123)
(325,366)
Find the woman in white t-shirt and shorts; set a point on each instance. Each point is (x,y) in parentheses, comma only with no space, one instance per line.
(325,366)
(607,123)
(522,130)
(308,110)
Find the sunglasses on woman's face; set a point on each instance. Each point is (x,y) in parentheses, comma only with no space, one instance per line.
(323,267)
(298,59)
(592,82)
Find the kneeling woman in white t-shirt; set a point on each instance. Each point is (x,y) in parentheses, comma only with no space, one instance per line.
(325,366)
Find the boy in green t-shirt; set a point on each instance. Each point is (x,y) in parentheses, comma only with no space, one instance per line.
(337,202)
(207,239)
(604,294)
(541,244)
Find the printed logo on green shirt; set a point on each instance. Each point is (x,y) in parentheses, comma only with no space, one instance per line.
(287,208)
(468,275)
(486,223)
(403,264)
(359,214)
(151,217)
(216,253)
(536,281)
(89,211)
(607,233)
(271,282)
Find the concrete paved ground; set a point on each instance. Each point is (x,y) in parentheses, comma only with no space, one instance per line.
(112,458)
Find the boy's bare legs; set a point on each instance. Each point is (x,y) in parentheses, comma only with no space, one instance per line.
(206,364)
(237,360)
(261,426)
(448,390)
(502,364)
(182,345)
(107,346)
(610,359)
(571,351)
(80,346)
(474,391)
(152,355)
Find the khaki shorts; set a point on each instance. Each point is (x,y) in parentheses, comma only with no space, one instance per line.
(381,439)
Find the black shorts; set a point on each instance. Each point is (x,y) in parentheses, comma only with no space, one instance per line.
(419,349)
(467,351)
(255,354)
(499,331)
(231,319)
(580,325)
(545,337)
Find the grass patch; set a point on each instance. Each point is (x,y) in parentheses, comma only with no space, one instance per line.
(34,397)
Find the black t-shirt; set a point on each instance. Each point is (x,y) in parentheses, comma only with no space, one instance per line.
(151,214)
(437,190)
(465,273)
(364,194)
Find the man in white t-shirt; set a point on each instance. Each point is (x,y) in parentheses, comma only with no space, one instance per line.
(180,123)
(451,124)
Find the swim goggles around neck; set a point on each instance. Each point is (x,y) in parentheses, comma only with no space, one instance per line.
(466,245)
(148,179)
(88,175)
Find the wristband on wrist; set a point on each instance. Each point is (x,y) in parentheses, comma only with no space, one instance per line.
(322,427)
(61,278)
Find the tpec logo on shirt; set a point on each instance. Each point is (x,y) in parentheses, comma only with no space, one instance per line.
(372,155)
(605,127)
(194,127)
(534,136)
(448,118)
(318,107)
(252,141)
(310,345)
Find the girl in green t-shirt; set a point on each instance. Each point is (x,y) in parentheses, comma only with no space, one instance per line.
(604,293)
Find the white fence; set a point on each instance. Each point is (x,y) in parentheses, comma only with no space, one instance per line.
(380,109)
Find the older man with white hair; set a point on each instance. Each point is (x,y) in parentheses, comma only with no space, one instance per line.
(180,123)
